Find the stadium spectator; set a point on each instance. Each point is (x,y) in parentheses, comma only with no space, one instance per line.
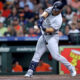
(21,3)
(74,28)
(78,24)
(75,4)
(36,17)
(2,28)
(1,17)
(12,15)
(74,19)
(6,11)
(29,17)
(21,19)
(28,13)
(9,1)
(60,33)
(31,33)
(37,6)
(43,67)
(69,13)
(62,29)
(78,11)
(66,30)
(30,4)
(17,27)
(1,5)
(40,11)
(10,32)
(48,3)
(16,67)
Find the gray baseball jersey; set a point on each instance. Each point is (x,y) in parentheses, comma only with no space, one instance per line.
(52,21)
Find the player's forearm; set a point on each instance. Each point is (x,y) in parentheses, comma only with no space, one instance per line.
(45,15)
(49,30)
(42,18)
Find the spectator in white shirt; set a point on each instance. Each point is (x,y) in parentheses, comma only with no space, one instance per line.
(69,13)
(1,17)
(74,28)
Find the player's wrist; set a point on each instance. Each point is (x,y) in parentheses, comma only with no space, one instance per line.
(40,21)
(44,29)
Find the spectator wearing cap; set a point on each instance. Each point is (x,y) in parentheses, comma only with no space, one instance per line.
(17,27)
(2,28)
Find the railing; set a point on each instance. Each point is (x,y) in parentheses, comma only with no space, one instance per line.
(74,38)
(26,38)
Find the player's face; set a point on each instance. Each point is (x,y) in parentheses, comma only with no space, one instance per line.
(56,12)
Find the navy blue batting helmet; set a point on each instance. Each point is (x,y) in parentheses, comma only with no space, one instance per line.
(58,6)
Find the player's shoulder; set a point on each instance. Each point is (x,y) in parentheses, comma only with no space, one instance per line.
(49,9)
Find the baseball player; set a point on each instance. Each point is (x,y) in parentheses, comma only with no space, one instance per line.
(50,23)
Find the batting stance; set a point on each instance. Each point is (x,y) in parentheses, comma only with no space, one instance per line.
(50,23)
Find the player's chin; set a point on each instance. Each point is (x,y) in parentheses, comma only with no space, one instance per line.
(56,13)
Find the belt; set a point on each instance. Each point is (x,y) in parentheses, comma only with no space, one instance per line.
(50,33)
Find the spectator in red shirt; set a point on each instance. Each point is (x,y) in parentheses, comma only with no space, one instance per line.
(16,67)
(31,33)
(43,67)
(1,5)
(17,27)
(6,11)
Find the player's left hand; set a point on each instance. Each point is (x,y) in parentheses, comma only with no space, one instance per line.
(40,21)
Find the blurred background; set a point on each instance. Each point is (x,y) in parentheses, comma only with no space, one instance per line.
(18,34)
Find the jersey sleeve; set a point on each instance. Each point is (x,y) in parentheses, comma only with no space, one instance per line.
(49,10)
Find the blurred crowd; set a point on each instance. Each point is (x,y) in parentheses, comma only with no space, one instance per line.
(19,17)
